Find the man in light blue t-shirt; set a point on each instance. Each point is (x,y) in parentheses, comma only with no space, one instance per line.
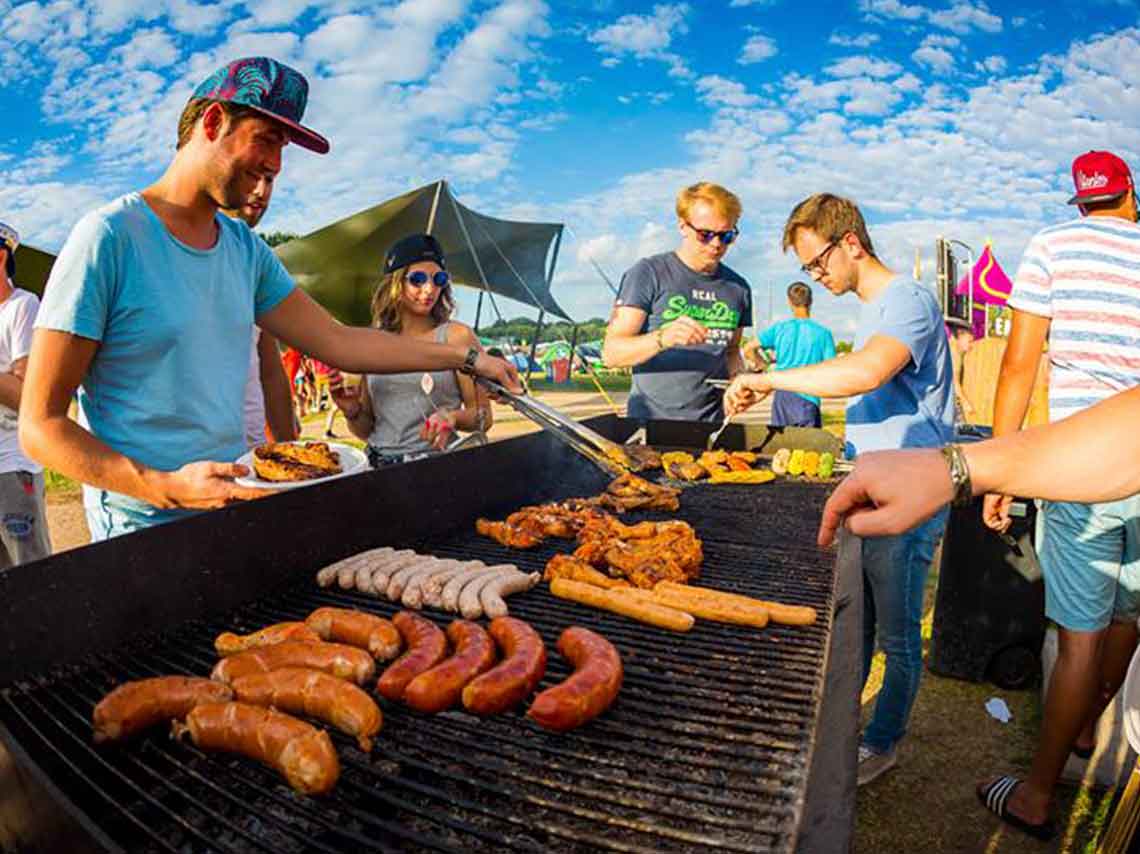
(797,343)
(149,315)
(900,394)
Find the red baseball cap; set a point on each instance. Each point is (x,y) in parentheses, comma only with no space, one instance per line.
(1099,176)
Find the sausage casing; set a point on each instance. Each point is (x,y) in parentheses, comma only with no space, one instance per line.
(301,753)
(134,706)
(512,680)
(341,660)
(301,691)
(589,690)
(440,688)
(426,646)
(356,628)
(227,643)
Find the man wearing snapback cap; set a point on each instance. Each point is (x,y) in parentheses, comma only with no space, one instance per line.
(149,310)
(1078,286)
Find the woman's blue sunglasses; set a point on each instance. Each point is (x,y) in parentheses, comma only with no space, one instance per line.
(418,278)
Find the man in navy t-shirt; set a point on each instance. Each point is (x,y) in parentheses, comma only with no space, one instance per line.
(679,315)
(797,342)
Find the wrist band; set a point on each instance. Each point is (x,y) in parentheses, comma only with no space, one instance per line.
(659,338)
(959,475)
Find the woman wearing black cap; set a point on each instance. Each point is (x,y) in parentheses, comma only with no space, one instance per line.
(393,412)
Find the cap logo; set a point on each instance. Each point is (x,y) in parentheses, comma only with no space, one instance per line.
(1095,181)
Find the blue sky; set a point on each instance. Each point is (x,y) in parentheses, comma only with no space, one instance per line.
(956,118)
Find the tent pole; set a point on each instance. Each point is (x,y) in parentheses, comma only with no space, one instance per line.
(475,258)
(537,332)
(574,347)
(434,206)
(553,260)
(478,312)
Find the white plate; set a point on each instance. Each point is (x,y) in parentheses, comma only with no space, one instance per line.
(351,461)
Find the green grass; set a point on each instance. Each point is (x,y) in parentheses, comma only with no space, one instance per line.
(581,382)
(57,484)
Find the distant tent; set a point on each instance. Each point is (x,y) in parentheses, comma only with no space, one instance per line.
(988,284)
(32,268)
(339,265)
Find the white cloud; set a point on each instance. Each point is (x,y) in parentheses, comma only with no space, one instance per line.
(863,40)
(149,48)
(645,37)
(757,49)
(720,91)
(862,66)
(937,59)
(908,83)
(961,17)
(992,64)
(740,3)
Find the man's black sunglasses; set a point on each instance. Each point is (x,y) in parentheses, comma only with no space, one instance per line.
(706,235)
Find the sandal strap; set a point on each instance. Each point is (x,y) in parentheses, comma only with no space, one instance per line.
(998,794)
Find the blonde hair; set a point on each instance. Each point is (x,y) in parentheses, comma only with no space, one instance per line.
(724,201)
(386,302)
(830,217)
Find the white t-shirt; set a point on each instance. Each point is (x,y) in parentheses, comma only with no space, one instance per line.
(253,410)
(17,319)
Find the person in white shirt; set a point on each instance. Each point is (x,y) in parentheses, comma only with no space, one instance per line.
(23,523)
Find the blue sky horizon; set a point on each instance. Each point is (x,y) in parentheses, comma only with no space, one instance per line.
(947,117)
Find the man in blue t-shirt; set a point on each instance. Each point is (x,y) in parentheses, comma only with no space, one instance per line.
(797,342)
(149,315)
(900,394)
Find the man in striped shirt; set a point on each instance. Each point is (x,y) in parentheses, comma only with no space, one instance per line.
(1078,287)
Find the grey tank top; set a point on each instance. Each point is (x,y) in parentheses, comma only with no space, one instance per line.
(399,405)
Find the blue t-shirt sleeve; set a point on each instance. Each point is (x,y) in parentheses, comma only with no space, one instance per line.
(82,281)
(273,282)
(906,317)
(638,287)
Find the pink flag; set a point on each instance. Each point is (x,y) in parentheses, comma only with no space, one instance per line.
(990,286)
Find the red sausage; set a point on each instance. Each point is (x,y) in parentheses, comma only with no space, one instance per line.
(439,689)
(524,663)
(426,646)
(589,690)
(134,706)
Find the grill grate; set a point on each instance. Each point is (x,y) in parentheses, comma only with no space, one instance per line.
(707,747)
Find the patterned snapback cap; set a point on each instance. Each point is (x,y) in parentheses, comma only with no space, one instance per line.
(9,237)
(269,87)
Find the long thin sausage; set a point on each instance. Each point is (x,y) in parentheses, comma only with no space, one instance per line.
(227,643)
(301,691)
(356,628)
(426,646)
(384,568)
(588,691)
(135,706)
(512,680)
(413,595)
(301,753)
(440,688)
(346,662)
(491,596)
(433,587)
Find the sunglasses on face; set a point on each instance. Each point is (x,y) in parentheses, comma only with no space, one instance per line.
(418,278)
(705,235)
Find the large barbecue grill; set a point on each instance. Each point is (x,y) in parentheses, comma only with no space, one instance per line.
(724,738)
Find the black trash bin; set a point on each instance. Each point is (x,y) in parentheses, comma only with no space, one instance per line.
(989,619)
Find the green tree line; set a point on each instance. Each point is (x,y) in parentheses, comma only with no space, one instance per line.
(522,329)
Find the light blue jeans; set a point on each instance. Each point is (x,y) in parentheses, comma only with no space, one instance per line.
(894,576)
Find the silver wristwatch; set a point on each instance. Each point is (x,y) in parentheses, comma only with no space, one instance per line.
(959,475)
(469,361)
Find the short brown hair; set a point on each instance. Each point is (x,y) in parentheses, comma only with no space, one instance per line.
(799,294)
(830,217)
(194,109)
(723,200)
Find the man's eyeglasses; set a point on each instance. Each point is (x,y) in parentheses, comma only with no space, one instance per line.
(706,235)
(817,266)
(418,278)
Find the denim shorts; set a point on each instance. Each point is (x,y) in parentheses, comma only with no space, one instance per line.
(1090,556)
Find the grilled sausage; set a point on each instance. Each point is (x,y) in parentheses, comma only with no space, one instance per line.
(301,753)
(345,662)
(511,681)
(449,596)
(302,691)
(227,643)
(491,596)
(356,628)
(433,587)
(413,595)
(134,706)
(383,572)
(469,605)
(439,689)
(426,646)
(588,691)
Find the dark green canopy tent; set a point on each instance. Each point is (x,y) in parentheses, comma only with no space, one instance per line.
(32,268)
(339,265)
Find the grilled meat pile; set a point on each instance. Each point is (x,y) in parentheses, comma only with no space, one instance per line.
(681,466)
(284,461)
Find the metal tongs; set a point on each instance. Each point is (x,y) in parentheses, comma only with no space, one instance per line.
(602,452)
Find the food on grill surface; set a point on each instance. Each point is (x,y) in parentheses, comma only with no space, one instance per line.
(426,646)
(755,615)
(811,463)
(529,526)
(796,463)
(346,662)
(645,553)
(440,688)
(780,461)
(826,464)
(746,476)
(406,586)
(512,680)
(570,567)
(711,464)
(491,597)
(791,615)
(356,628)
(617,602)
(301,691)
(228,643)
(588,691)
(505,535)
(644,458)
(330,574)
(630,492)
(283,461)
(135,706)
(301,753)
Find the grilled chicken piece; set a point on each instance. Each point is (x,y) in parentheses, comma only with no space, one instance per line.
(505,535)
(644,458)
(529,526)
(644,553)
(282,461)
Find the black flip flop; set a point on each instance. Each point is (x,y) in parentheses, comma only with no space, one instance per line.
(995,797)
(1083,752)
